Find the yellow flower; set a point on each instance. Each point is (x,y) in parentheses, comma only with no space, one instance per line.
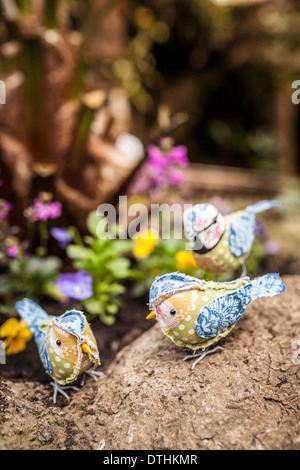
(17,334)
(185,260)
(145,243)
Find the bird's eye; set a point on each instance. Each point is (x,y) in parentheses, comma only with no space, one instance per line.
(173,312)
(58,342)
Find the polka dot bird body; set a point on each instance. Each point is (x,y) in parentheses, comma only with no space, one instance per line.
(66,344)
(220,243)
(196,314)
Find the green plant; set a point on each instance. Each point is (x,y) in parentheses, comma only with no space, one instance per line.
(33,277)
(104,259)
(28,271)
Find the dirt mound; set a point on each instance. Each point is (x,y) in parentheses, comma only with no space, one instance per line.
(245,397)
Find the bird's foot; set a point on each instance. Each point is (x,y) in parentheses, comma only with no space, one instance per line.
(93,374)
(61,390)
(201,356)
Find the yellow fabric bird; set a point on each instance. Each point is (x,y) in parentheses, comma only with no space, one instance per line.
(66,345)
(196,314)
(221,244)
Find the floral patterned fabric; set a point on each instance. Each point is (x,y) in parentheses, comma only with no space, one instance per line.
(200,315)
(60,340)
(225,250)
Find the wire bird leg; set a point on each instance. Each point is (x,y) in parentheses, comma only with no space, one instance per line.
(61,390)
(92,374)
(201,355)
(244,270)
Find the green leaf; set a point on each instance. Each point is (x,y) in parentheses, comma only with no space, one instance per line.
(112,309)
(43,266)
(94,306)
(119,267)
(79,252)
(92,222)
(52,291)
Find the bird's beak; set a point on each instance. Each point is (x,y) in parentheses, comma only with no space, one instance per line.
(86,348)
(151,315)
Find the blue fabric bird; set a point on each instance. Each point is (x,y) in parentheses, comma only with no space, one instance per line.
(196,314)
(66,344)
(220,243)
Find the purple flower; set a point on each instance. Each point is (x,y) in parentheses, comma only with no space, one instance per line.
(76,286)
(175,155)
(176,177)
(54,210)
(40,210)
(163,170)
(5,208)
(179,156)
(43,210)
(13,251)
(62,236)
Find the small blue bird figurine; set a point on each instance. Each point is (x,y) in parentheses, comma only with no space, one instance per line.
(221,244)
(195,314)
(66,345)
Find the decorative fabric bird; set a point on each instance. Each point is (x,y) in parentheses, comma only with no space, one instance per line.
(66,345)
(220,243)
(196,314)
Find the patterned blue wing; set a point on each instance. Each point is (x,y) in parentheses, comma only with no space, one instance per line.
(34,315)
(171,283)
(241,234)
(225,311)
(222,312)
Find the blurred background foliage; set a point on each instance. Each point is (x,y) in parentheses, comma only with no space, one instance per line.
(212,76)
(216,74)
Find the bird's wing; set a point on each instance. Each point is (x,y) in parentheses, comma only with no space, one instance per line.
(34,316)
(223,312)
(241,234)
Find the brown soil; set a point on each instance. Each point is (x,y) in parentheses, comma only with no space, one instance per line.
(245,397)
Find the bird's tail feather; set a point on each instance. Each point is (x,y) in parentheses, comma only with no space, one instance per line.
(32,314)
(266,286)
(262,206)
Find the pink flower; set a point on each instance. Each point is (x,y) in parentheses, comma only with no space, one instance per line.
(5,208)
(43,210)
(40,210)
(54,210)
(13,251)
